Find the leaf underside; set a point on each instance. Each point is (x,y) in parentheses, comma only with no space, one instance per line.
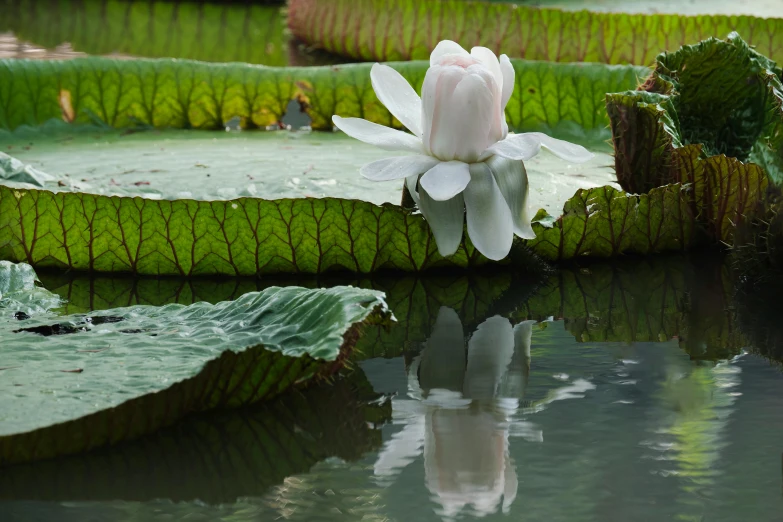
(247,33)
(386,30)
(167,93)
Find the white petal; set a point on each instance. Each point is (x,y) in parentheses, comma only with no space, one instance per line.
(444,48)
(446,219)
(510,483)
(397,168)
(490,226)
(436,94)
(401,449)
(508,79)
(523,337)
(410,182)
(562,149)
(397,95)
(463,122)
(445,180)
(443,358)
(512,181)
(515,147)
(490,350)
(490,61)
(378,135)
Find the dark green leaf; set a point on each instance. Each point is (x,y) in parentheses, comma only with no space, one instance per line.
(239,237)
(604,222)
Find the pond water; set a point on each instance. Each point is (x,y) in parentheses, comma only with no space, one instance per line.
(607,392)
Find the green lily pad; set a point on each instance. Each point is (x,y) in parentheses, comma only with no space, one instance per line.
(703,102)
(208,32)
(168,93)
(605,222)
(77,382)
(273,165)
(409,29)
(250,236)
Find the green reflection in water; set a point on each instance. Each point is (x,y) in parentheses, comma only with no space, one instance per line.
(217,457)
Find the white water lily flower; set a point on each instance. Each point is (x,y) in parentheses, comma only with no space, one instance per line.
(465,161)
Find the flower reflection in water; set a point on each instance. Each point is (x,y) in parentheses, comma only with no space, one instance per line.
(461,418)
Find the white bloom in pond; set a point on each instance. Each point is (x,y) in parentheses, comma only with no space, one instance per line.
(465,160)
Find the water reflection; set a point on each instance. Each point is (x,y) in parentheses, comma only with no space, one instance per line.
(216,457)
(610,392)
(459,418)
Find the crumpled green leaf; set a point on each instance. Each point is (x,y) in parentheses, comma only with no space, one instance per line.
(213,32)
(20,293)
(168,93)
(11,169)
(73,383)
(409,29)
(217,457)
(718,98)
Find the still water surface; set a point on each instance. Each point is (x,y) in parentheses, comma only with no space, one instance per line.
(624,392)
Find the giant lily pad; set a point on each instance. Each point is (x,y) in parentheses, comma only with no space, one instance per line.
(209,32)
(409,29)
(702,106)
(189,164)
(250,236)
(186,94)
(77,382)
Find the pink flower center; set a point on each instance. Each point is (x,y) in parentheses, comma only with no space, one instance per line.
(459,60)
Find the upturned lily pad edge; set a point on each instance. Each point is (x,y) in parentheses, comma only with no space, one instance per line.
(235,378)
